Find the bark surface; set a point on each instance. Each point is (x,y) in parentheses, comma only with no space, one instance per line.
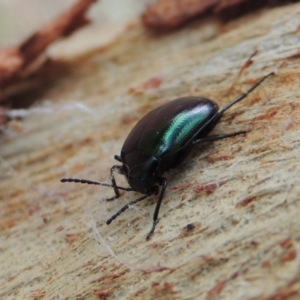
(241,194)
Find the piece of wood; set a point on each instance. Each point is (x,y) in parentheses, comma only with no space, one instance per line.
(240,194)
(21,62)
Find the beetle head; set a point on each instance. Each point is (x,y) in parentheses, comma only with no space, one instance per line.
(141,172)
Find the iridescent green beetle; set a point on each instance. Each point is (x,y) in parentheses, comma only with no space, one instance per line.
(160,141)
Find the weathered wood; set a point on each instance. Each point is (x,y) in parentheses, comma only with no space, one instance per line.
(242,194)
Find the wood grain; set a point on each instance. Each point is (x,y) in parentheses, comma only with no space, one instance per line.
(240,194)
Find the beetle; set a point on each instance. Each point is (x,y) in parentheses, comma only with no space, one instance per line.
(160,141)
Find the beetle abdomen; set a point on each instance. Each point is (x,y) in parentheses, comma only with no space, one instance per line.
(169,127)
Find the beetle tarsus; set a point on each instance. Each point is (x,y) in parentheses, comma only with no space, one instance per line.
(111,198)
(152,230)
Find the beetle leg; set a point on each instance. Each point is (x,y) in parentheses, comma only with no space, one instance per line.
(214,138)
(216,118)
(244,95)
(118,169)
(124,208)
(118,158)
(164,184)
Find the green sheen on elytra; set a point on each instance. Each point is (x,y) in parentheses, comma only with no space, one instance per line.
(178,131)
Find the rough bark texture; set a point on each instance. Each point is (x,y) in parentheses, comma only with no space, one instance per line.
(241,194)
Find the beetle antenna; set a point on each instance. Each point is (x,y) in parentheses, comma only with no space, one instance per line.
(94,182)
(244,95)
